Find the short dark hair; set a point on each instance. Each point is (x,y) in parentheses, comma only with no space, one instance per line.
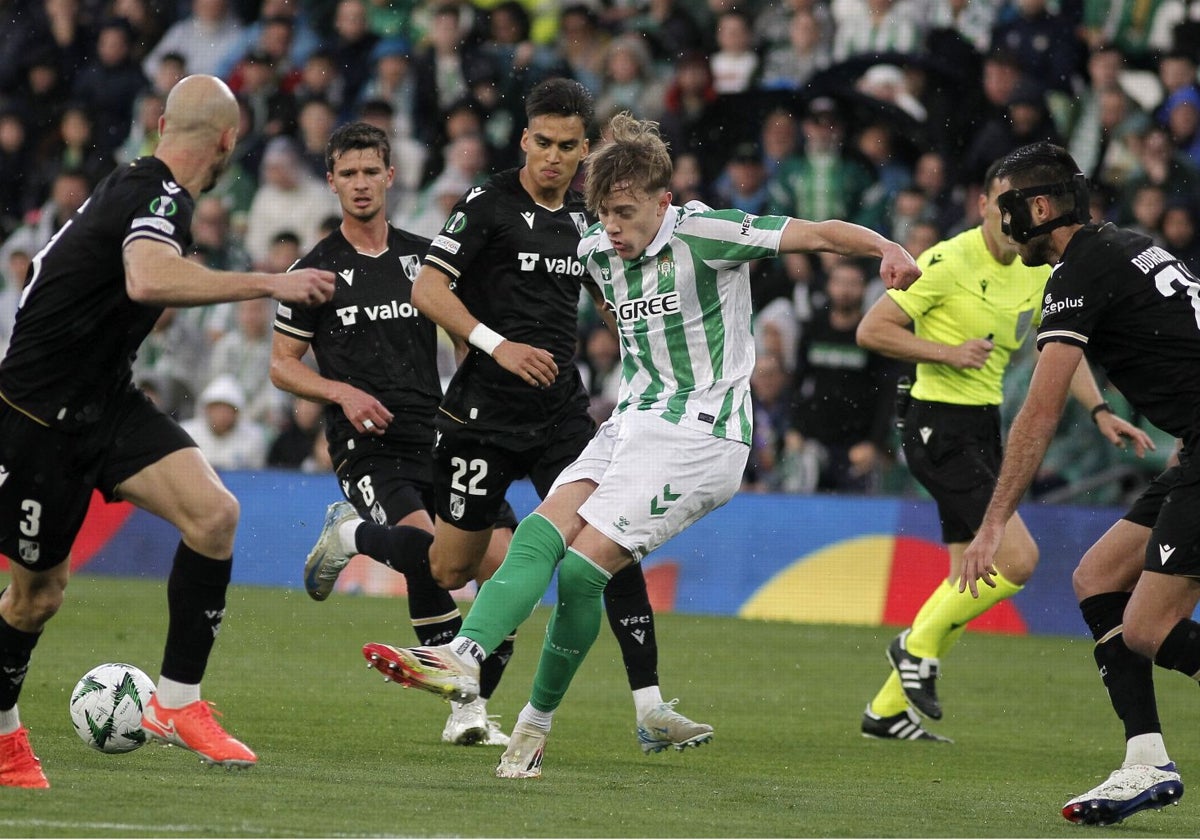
(356,135)
(561,97)
(1042,162)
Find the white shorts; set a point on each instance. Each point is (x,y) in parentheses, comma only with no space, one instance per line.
(653,478)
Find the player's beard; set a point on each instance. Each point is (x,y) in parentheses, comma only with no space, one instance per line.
(218,169)
(1036,251)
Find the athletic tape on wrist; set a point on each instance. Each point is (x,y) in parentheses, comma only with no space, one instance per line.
(485,338)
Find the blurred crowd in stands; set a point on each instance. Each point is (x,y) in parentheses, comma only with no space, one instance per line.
(882,112)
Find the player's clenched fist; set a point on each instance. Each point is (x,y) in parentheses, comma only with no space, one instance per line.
(305,286)
(898,269)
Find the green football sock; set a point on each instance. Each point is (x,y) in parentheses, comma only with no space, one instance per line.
(522,579)
(572,630)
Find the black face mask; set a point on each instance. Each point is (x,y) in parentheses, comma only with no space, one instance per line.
(1014,205)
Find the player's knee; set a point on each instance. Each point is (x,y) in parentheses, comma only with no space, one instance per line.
(1142,637)
(211,531)
(1023,563)
(29,608)
(447,573)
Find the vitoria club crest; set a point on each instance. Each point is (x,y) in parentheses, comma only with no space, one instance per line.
(457,506)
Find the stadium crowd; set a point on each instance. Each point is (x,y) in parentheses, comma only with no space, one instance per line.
(881,112)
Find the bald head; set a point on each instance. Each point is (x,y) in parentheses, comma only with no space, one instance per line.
(198,130)
(199,105)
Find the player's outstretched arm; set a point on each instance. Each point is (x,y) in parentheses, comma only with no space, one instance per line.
(897,267)
(288,373)
(155,274)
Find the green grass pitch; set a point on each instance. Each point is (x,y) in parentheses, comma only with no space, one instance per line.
(344,755)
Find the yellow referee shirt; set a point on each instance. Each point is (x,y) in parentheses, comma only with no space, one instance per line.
(964,293)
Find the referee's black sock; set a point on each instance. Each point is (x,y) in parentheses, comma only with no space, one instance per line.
(195,605)
(1180,651)
(1128,676)
(632,621)
(16,648)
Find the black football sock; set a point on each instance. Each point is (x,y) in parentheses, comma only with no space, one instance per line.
(493,667)
(1180,651)
(195,605)
(632,621)
(402,547)
(1128,676)
(16,648)
(435,617)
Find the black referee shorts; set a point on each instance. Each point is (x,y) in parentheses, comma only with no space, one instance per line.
(955,452)
(47,475)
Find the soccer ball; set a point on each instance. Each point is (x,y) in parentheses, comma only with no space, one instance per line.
(107,705)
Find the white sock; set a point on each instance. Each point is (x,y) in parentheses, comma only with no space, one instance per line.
(1146,749)
(467,651)
(10,721)
(346,535)
(530,715)
(176,695)
(646,699)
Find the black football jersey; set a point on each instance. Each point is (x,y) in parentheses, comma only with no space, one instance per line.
(77,330)
(1134,308)
(370,335)
(514,267)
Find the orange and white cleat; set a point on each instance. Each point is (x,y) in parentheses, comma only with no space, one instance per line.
(19,767)
(194,728)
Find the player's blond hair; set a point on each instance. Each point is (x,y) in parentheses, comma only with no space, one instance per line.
(635,158)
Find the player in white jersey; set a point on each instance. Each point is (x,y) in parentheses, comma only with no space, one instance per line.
(674,448)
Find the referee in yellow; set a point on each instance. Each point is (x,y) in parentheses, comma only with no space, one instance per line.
(973,306)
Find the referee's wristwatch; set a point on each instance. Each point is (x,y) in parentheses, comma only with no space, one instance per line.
(1099,408)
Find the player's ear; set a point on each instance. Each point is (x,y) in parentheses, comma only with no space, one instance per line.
(228,139)
(664,202)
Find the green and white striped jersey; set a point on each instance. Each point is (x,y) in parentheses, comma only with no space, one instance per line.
(683,313)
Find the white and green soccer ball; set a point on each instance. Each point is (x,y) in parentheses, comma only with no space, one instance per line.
(107,706)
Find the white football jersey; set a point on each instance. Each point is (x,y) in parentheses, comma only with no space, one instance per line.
(684,315)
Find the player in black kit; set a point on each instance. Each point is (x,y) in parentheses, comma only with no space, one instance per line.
(376,357)
(71,419)
(1134,309)
(503,275)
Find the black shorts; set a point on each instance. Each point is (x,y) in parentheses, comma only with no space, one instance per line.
(955,452)
(473,469)
(1170,507)
(383,488)
(386,483)
(47,476)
